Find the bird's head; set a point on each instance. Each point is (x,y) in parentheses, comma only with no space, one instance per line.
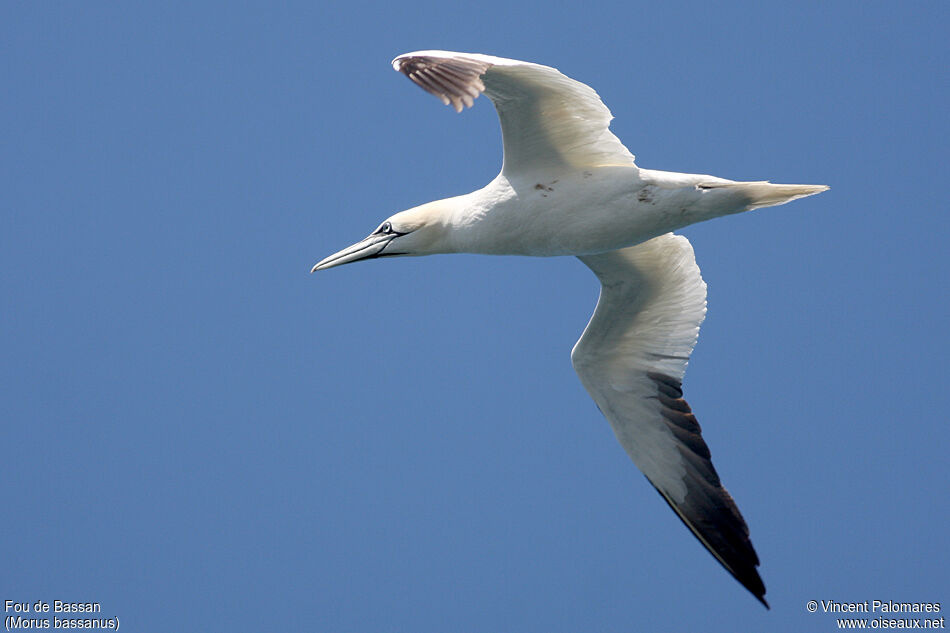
(422,230)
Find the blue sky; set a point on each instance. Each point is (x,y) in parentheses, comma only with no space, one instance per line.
(200,435)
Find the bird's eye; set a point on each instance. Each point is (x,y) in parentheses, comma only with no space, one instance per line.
(385,227)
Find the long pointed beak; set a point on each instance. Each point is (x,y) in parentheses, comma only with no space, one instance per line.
(371,247)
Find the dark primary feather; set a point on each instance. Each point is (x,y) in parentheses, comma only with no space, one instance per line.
(456,81)
(708,510)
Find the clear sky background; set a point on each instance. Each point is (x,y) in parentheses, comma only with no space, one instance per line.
(202,436)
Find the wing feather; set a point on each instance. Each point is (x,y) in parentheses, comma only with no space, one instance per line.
(547,119)
(631,359)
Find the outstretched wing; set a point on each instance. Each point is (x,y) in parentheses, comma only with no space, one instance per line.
(547,119)
(631,359)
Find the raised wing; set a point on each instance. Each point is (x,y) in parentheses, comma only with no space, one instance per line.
(631,359)
(547,119)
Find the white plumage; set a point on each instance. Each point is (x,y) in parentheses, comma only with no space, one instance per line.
(568,186)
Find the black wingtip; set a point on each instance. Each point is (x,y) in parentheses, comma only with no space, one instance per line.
(747,575)
(707,508)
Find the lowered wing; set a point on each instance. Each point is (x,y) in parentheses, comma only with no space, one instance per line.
(631,359)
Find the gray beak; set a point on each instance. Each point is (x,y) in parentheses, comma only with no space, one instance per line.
(369,248)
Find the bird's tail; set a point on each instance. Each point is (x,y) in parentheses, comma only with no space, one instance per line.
(755,195)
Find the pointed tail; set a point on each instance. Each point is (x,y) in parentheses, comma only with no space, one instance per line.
(764,194)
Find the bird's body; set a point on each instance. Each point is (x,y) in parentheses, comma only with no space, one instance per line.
(569,187)
(597,209)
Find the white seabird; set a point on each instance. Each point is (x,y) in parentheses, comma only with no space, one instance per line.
(568,186)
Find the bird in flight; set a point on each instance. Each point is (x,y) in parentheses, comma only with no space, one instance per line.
(568,186)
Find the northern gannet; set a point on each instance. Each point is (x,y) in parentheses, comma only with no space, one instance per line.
(568,186)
